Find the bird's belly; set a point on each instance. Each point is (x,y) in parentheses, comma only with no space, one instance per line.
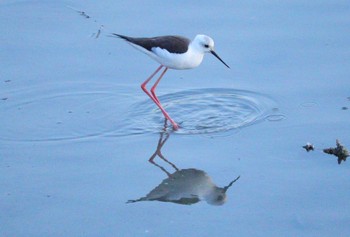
(179,61)
(182,62)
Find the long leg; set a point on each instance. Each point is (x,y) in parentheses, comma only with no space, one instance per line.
(153,89)
(155,98)
(162,140)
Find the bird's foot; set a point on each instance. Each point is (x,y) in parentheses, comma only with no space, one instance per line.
(175,126)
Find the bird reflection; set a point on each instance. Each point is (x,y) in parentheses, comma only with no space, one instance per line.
(184,186)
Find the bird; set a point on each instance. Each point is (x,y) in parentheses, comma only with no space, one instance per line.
(171,52)
(187,187)
(184,186)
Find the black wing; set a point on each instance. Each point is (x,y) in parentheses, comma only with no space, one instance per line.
(172,43)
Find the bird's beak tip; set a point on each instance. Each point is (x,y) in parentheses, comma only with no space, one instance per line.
(217,56)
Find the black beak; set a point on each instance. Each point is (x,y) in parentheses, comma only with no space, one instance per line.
(217,56)
(230,184)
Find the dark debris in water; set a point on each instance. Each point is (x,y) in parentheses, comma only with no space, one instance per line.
(309,147)
(339,151)
(82,13)
(97,34)
(85,15)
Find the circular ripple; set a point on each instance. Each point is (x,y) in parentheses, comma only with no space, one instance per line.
(61,112)
(79,111)
(202,111)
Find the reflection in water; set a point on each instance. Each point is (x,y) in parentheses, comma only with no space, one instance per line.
(184,186)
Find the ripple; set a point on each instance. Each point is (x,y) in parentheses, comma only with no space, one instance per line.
(77,111)
(61,112)
(275,117)
(202,111)
(308,104)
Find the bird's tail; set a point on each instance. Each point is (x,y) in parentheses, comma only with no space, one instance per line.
(119,36)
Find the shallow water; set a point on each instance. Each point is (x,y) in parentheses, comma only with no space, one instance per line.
(203,111)
(79,138)
(59,112)
(79,111)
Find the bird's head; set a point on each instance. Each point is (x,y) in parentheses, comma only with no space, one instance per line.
(205,44)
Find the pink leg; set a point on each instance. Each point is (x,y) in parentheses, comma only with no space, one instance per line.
(155,98)
(153,89)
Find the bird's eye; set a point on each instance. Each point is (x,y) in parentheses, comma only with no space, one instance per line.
(220,198)
(206,45)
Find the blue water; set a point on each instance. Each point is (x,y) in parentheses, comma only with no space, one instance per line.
(77,132)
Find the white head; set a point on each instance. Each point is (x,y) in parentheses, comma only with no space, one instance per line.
(205,44)
(217,196)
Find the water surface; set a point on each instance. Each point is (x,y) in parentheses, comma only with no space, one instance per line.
(77,132)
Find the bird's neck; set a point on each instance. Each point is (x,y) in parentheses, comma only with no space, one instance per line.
(195,57)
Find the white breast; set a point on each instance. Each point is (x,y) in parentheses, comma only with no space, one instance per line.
(190,59)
